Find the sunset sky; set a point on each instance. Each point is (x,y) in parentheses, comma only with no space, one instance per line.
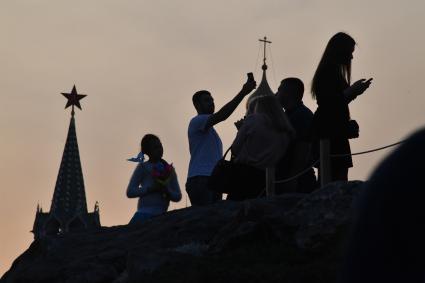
(139,62)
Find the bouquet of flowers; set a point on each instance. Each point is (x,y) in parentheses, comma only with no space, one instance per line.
(162,173)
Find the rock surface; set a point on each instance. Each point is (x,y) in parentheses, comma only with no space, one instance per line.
(292,238)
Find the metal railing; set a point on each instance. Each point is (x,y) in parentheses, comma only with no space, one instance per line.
(325,166)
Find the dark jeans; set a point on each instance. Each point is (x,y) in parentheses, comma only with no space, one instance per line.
(198,192)
(250,183)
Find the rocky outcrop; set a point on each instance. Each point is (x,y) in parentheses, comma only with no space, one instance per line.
(291,238)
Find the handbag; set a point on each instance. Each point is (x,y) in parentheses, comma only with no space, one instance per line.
(353,129)
(221,179)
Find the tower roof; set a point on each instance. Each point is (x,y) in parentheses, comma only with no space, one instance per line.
(68,211)
(264,87)
(69,198)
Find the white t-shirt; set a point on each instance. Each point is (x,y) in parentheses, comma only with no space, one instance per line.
(205,147)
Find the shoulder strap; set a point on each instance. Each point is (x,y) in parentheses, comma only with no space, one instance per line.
(224,156)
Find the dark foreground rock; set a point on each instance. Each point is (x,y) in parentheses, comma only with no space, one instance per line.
(292,238)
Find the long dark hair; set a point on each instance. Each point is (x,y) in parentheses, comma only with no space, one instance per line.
(270,106)
(335,64)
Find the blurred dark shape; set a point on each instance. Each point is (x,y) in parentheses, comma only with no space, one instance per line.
(388,238)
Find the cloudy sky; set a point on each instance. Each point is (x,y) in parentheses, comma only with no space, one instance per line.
(139,62)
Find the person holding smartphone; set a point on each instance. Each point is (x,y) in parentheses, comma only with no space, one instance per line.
(205,144)
(333,91)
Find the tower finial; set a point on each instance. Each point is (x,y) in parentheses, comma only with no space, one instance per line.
(73,99)
(263,88)
(68,210)
(265,41)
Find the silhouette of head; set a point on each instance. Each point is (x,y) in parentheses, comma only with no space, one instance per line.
(340,49)
(387,240)
(269,106)
(336,62)
(203,102)
(152,147)
(290,92)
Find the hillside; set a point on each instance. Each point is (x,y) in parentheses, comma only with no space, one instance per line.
(292,238)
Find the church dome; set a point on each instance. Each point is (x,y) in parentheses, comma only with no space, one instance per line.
(264,87)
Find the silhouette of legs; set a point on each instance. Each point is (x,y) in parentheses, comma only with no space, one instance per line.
(198,192)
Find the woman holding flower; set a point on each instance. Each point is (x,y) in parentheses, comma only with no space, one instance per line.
(154,181)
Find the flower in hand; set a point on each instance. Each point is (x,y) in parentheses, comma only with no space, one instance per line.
(161,174)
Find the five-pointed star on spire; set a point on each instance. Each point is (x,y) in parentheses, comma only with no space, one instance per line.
(73,98)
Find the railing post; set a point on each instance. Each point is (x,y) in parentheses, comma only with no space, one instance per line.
(270,179)
(325,162)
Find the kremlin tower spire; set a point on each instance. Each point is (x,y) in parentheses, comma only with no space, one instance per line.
(68,211)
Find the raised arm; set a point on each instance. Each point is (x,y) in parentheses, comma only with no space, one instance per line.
(229,107)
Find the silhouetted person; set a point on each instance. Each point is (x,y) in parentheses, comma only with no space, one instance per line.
(154,195)
(331,88)
(299,154)
(260,143)
(205,144)
(388,239)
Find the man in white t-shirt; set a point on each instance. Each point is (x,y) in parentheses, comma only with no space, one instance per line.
(204,143)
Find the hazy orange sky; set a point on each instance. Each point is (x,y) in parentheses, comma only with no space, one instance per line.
(139,62)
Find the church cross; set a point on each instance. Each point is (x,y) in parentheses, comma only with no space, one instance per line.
(265,41)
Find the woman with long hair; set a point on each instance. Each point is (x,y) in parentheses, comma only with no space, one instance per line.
(153,181)
(261,142)
(332,89)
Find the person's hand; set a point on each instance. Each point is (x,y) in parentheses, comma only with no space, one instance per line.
(239,123)
(359,86)
(250,84)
